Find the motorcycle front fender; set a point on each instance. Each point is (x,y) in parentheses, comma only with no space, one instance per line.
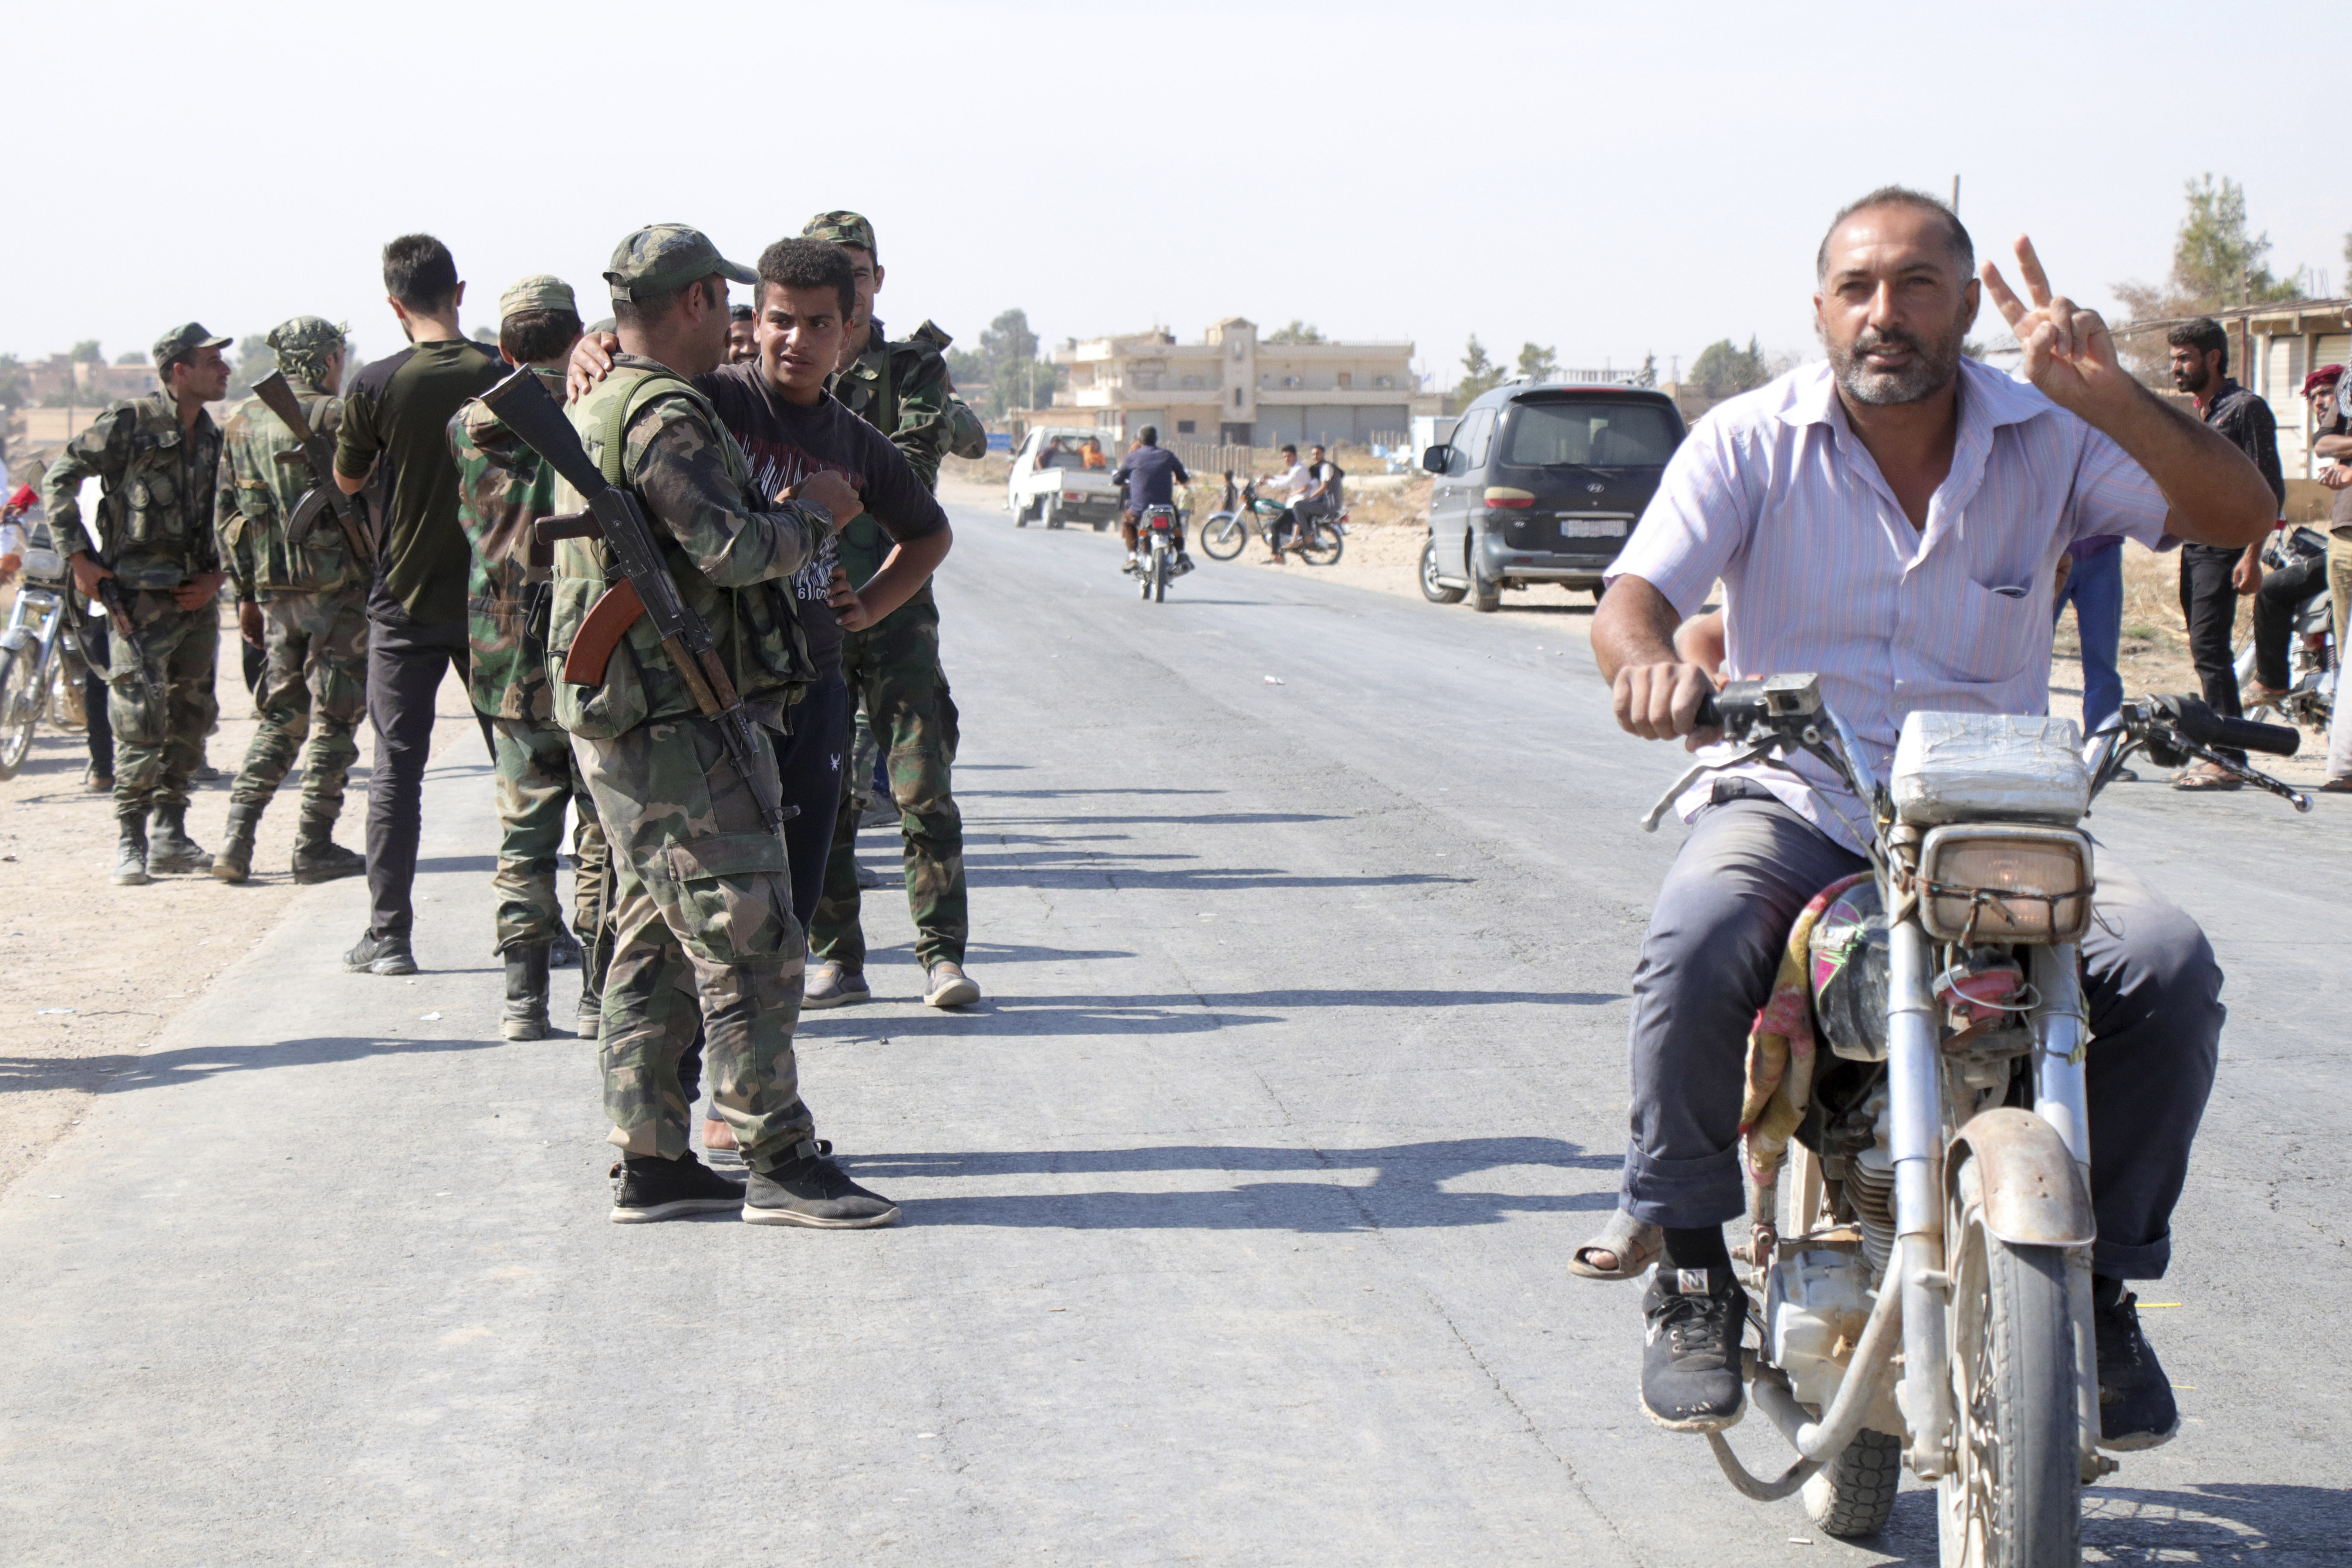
(2033,1191)
(15,638)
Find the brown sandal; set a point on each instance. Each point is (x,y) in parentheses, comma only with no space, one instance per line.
(2205,775)
(1635,1244)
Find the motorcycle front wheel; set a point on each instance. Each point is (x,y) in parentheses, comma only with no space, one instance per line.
(20,706)
(1223,536)
(2014,1497)
(1319,544)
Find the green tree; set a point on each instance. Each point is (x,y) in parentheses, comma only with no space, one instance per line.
(2215,262)
(1723,370)
(1006,370)
(1536,362)
(87,352)
(1479,374)
(133,357)
(1298,332)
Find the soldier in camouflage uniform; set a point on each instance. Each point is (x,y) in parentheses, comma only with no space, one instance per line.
(903,390)
(503,487)
(313,626)
(703,918)
(157,459)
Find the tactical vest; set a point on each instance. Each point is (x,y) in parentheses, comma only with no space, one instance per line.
(164,479)
(756,634)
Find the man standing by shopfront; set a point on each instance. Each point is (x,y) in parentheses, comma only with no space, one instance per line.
(2212,576)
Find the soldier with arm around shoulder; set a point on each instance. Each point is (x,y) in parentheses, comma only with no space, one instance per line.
(156,459)
(703,927)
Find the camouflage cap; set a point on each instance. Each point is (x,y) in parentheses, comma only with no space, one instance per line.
(664,256)
(182,340)
(842,229)
(305,336)
(540,291)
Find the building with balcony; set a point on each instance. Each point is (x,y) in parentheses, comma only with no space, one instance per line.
(1236,388)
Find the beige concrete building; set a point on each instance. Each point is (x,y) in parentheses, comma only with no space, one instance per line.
(1236,387)
(2278,346)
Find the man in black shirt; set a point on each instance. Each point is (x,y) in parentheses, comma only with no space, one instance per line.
(395,431)
(2211,576)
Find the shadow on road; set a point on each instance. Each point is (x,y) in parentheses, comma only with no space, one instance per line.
(2277,1526)
(158,1069)
(1409,1186)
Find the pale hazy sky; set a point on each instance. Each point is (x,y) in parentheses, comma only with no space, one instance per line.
(1609,179)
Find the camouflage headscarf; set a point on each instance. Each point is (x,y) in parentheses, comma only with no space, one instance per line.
(304,345)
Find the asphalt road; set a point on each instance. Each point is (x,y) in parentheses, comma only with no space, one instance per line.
(1235,1219)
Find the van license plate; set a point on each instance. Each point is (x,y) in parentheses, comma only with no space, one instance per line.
(1591,528)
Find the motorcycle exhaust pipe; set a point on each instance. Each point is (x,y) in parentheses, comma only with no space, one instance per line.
(1915,1097)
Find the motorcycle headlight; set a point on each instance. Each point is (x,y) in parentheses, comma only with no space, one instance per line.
(2005,883)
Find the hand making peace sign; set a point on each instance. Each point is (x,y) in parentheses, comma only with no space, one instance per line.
(2070,355)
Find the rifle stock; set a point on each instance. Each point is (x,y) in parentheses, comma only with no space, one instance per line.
(277,395)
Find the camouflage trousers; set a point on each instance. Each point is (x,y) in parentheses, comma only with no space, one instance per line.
(702,934)
(160,724)
(538,777)
(316,669)
(894,667)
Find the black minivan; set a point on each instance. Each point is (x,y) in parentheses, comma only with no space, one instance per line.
(1541,484)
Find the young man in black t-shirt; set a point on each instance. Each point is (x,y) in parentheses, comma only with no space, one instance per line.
(394,428)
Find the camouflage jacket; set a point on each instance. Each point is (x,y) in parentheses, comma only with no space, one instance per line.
(503,487)
(263,478)
(731,551)
(154,526)
(902,389)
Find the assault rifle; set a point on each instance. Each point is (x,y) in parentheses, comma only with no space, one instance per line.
(645,588)
(119,628)
(324,495)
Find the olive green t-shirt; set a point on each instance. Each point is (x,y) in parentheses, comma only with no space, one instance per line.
(399,411)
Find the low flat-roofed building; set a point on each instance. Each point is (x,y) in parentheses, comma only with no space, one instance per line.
(1237,388)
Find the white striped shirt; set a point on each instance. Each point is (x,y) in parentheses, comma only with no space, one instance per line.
(1822,572)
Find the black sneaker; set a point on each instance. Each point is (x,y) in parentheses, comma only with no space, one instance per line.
(815,1192)
(380,956)
(2136,1409)
(1690,1365)
(648,1187)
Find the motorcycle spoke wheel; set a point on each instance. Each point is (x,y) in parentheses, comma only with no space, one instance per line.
(20,708)
(1223,537)
(1322,546)
(2013,1499)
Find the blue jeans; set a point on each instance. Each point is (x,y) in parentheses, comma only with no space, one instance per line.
(2095,588)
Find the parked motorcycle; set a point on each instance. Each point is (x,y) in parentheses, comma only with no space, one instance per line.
(2312,656)
(1318,541)
(32,656)
(1925,1291)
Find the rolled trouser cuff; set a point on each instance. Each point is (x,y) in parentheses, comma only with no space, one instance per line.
(2121,1261)
(1683,1194)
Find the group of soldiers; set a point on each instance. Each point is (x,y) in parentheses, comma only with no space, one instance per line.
(693,923)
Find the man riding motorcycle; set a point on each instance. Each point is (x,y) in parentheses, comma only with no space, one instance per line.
(1150,476)
(1892,520)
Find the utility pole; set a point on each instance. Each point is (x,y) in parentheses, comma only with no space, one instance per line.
(1956,195)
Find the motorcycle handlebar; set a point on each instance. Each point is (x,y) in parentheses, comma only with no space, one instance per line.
(2199,723)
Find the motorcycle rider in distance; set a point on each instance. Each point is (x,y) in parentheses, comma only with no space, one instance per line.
(1291,482)
(1830,503)
(1151,475)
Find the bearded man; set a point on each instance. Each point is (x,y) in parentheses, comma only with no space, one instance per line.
(1892,520)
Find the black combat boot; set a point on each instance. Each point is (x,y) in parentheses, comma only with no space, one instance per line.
(172,851)
(130,851)
(318,858)
(235,861)
(526,1015)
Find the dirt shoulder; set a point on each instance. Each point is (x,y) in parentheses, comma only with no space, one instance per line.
(96,972)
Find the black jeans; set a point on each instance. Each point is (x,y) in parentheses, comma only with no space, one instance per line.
(406,663)
(808,771)
(2283,592)
(96,658)
(2149,983)
(2210,605)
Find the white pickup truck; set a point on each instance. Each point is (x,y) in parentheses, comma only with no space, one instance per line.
(1053,483)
